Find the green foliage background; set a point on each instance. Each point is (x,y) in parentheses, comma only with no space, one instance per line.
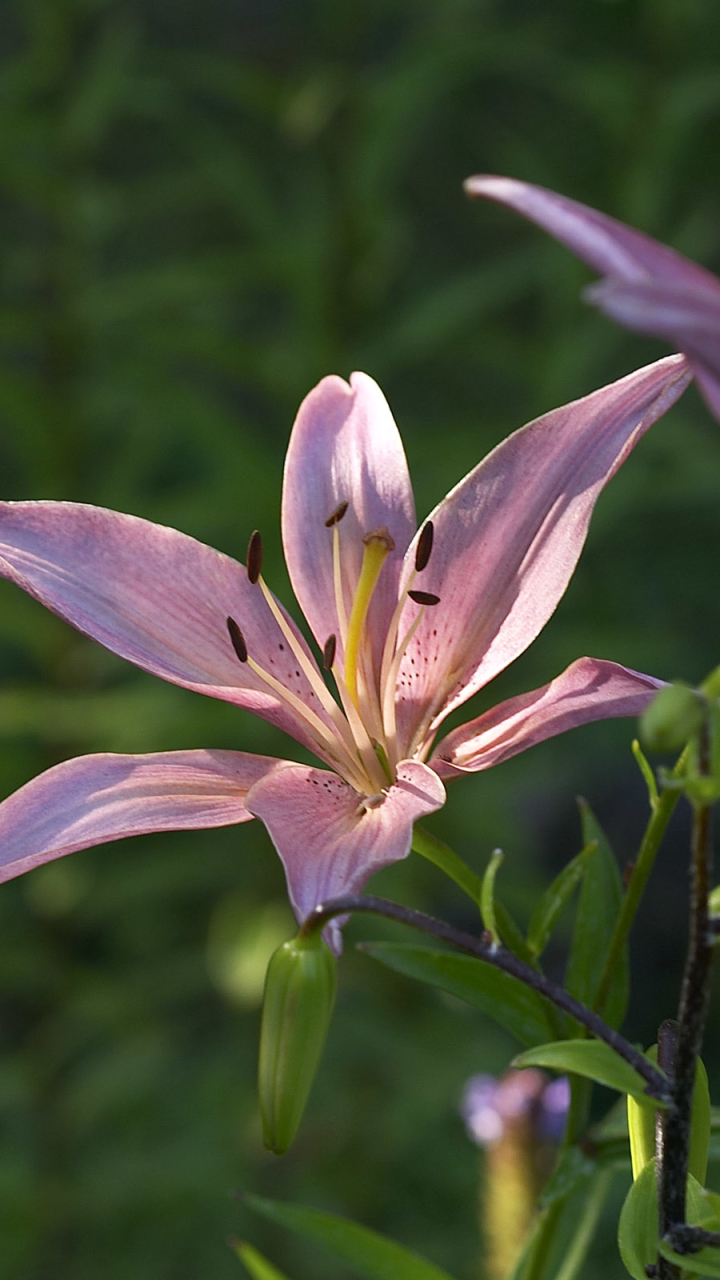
(204,208)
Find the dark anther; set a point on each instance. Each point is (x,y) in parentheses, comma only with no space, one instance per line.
(336,516)
(424,597)
(254,556)
(424,546)
(651,1270)
(329,652)
(237,639)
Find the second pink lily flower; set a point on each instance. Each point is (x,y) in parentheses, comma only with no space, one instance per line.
(646,286)
(411,624)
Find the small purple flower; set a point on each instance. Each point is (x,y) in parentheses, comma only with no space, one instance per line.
(490,1107)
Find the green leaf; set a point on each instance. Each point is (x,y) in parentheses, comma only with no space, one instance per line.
(554,899)
(572,1169)
(591,1058)
(257,1266)
(367,1253)
(645,768)
(706,1262)
(638,1225)
(524,1013)
(487,895)
(638,1228)
(597,912)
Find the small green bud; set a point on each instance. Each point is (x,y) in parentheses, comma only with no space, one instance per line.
(297,1006)
(672,718)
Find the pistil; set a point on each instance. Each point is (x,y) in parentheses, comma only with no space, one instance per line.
(378,544)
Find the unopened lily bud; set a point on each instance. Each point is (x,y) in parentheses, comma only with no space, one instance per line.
(672,718)
(297,1006)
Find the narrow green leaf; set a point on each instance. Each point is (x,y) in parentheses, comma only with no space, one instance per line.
(524,1013)
(593,1203)
(646,770)
(487,896)
(447,860)
(572,1170)
(638,1228)
(255,1264)
(597,911)
(638,1224)
(706,1262)
(554,899)
(512,935)
(591,1058)
(367,1253)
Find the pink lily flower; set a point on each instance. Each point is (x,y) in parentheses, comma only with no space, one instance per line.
(410,622)
(647,287)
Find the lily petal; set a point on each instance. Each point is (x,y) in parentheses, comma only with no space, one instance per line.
(651,288)
(589,689)
(606,244)
(344,447)
(329,843)
(94,799)
(689,318)
(156,597)
(508,537)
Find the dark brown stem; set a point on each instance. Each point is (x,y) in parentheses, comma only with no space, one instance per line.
(692,1015)
(484,949)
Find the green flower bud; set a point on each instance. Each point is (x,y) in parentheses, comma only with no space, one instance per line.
(299,997)
(672,718)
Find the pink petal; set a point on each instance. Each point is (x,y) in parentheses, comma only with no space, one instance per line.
(508,537)
(94,799)
(589,689)
(606,244)
(328,844)
(344,447)
(687,317)
(685,297)
(153,596)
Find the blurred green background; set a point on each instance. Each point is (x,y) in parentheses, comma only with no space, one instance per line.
(204,208)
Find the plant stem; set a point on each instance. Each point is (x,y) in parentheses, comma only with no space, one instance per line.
(485,949)
(651,841)
(692,1013)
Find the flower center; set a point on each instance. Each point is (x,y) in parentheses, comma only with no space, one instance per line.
(360,739)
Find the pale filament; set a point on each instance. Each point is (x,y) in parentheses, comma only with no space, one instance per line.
(391,638)
(365,748)
(316,681)
(321,733)
(389,698)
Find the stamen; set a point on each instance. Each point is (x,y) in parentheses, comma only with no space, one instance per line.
(330,743)
(337,514)
(363,741)
(378,544)
(237,640)
(254,556)
(388,709)
(310,669)
(424,597)
(424,546)
(329,652)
